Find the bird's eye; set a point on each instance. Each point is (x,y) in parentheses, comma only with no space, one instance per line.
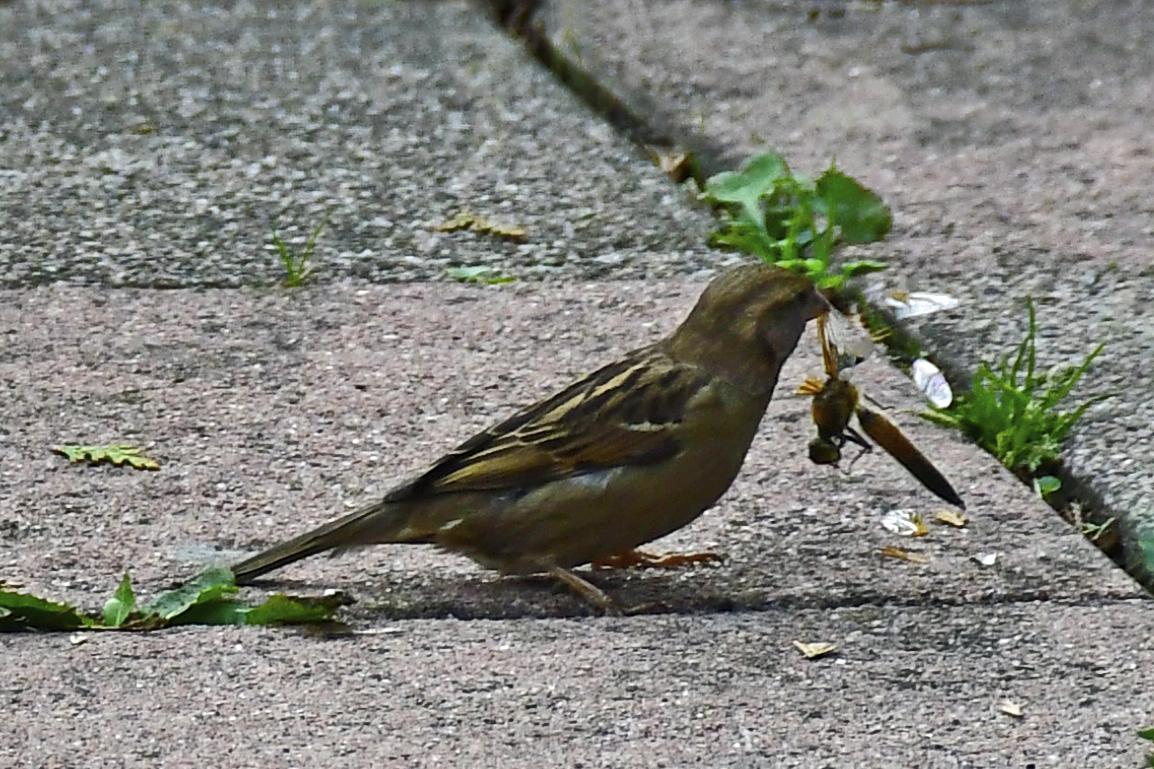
(803,296)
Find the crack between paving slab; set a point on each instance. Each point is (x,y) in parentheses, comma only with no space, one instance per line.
(644,124)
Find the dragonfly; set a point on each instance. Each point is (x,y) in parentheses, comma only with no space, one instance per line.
(836,401)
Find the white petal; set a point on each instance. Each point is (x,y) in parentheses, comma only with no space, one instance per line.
(917,303)
(901,522)
(930,380)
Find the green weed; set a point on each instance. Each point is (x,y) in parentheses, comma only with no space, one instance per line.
(794,223)
(204,600)
(490,276)
(1146,553)
(296,265)
(1011,412)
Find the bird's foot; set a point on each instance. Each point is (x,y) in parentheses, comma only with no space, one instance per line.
(639,559)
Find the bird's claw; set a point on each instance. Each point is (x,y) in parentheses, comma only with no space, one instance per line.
(639,559)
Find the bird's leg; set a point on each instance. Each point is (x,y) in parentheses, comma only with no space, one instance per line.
(639,559)
(586,590)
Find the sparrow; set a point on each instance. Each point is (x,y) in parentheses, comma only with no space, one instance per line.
(630,453)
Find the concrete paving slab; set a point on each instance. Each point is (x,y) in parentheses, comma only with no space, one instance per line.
(156,145)
(1011,139)
(272,412)
(908,686)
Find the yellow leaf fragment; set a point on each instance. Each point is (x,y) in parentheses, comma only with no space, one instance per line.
(462,221)
(1011,708)
(813,650)
(904,555)
(467,220)
(507,231)
(951,518)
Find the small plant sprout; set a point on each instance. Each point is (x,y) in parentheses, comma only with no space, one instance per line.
(296,265)
(1095,531)
(1148,734)
(794,223)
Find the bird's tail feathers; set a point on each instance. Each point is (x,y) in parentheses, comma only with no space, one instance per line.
(341,533)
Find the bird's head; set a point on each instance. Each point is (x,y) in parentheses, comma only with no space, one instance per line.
(746,324)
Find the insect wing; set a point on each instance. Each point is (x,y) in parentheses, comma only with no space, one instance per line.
(845,341)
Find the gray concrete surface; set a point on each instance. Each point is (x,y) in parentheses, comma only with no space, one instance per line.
(136,155)
(155,145)
(725,690)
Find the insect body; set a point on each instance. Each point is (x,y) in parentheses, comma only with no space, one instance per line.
(836,401)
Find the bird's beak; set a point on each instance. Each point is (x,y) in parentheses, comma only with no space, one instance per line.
(818,306)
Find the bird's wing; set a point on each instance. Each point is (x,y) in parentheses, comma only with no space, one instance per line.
(627,413)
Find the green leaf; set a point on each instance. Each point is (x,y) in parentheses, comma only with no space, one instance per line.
(214,611)
(116,453)
(1146,546)
(862,267)
(478,274)
(283,609)
(797,265)
(1148,734)
(742,193)
(859,212)
(27,612)
(204,600)
(745,187)
(121,605)
(207,586)
(277,610)
(1046,485)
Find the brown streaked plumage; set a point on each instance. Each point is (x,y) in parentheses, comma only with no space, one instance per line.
(628,454)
